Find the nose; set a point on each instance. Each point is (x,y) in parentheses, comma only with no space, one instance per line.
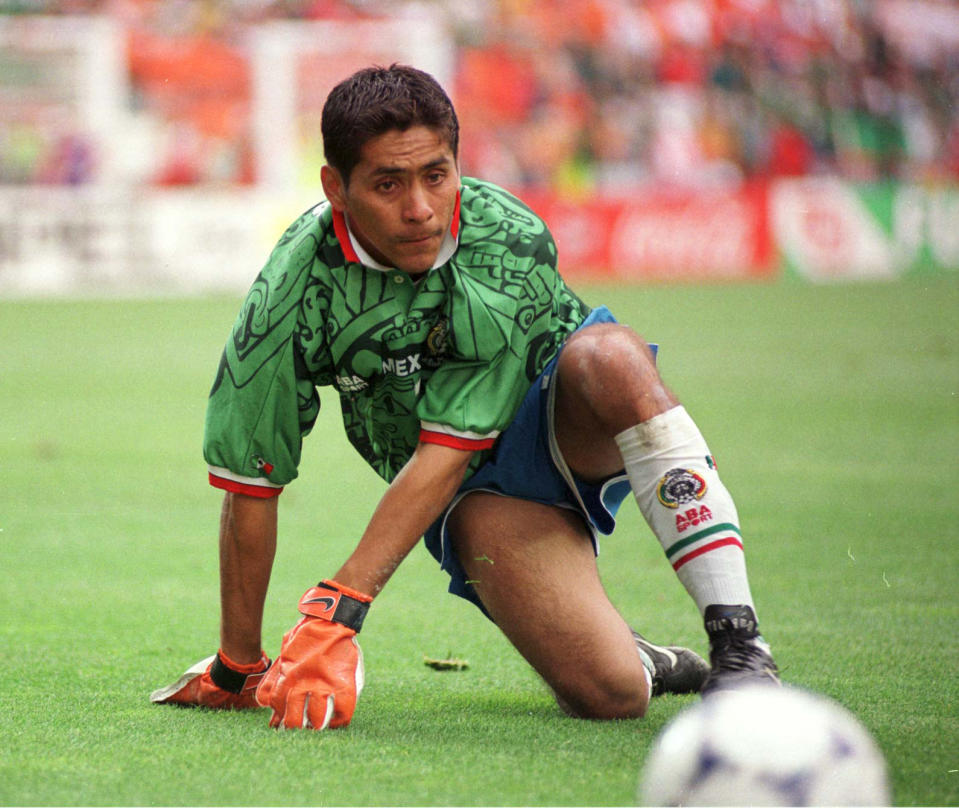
(417,208)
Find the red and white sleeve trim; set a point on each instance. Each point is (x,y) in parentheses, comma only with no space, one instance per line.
(446,435)
(237,484)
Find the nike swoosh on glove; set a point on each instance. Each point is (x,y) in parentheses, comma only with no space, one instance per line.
(318,676)
(216,682)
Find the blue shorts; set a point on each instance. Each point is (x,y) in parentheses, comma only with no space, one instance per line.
(526,464)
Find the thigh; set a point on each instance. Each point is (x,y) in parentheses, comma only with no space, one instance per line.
(534,569)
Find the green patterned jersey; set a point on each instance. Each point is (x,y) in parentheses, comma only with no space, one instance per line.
(447,359)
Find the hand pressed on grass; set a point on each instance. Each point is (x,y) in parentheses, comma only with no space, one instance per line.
(217,683)
(317,678)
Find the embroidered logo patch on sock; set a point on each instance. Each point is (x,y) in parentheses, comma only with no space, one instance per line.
(680,486)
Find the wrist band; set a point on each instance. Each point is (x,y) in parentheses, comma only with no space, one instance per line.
(234,681)
(328,601)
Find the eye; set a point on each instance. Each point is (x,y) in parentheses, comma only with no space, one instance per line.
(386,186)
(436,177)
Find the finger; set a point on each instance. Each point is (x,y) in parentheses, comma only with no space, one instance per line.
(275,691)
(305,718)
(276,701)
(264,690)
(322,712)
(343,714)
(294,710)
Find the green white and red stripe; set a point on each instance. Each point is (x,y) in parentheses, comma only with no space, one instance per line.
(227,480)
(704,541)
(446,435)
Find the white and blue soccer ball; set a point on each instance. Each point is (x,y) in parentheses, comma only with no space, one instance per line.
(764,745)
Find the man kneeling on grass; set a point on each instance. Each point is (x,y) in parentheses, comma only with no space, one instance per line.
(509,418)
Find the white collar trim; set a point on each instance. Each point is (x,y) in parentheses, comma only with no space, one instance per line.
(447,248)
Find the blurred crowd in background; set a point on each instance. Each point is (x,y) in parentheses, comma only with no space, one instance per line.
(572,96)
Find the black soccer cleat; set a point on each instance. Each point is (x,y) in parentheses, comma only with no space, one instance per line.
(675,670)
(737,652)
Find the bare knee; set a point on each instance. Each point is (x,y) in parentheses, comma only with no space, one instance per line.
(607,375)
(604,700)
(606,382)
(614,686)
(609,348)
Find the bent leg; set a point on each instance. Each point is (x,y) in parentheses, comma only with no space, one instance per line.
(613,411)
(534,569)
(606,382)
(609,394)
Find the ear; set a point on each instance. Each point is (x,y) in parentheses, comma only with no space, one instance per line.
(333,187)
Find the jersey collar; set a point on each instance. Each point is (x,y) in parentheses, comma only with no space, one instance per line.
(354,252)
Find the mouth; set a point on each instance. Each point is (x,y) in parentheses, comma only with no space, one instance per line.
(418,241)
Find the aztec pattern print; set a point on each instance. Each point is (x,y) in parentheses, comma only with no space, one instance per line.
(460,348)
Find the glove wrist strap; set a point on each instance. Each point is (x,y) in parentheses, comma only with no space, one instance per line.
(331,601)
(234,678)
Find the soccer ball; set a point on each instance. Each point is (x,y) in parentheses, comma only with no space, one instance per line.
(765,745)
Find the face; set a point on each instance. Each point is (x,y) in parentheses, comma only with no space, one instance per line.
(401,197)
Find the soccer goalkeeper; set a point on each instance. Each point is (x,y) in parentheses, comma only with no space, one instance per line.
(509,419)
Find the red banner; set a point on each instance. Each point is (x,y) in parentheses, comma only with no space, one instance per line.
(662,235)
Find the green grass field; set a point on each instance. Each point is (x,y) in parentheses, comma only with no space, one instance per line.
(833,411)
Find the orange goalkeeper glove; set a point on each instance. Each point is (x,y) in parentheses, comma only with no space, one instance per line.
(318,676)
(216,682)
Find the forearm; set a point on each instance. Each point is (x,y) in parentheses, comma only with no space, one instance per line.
(414,500)
(247,548)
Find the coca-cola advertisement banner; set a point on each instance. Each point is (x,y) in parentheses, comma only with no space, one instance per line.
(663,235)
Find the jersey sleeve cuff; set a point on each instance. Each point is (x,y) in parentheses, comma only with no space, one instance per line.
(454,438)
(250,486)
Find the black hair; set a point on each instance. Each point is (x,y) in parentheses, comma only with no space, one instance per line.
(374,101)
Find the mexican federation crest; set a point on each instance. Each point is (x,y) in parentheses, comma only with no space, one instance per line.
(437,342)
(680,486)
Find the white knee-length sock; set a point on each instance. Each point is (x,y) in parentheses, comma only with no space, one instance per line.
(677,488)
